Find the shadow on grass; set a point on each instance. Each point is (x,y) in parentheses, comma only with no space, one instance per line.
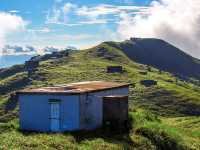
(116,136)
(164,103)
(162,140)
(110,134)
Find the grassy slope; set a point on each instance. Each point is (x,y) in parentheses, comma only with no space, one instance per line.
(166,123)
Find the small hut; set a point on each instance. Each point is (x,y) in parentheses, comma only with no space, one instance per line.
(114,69)
(75,106)
(148,83)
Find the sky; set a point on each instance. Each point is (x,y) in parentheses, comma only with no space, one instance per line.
(29,26)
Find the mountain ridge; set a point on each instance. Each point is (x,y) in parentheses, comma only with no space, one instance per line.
(159,115)
(161,55)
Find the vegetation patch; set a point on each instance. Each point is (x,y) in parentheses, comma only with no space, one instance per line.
(162,116)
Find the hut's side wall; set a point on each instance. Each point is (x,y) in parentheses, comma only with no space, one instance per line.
(91,107)
(70,113)
(35,112)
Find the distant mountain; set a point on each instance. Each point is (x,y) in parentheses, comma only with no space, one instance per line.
(148,51)
(10,60)
(161,55)
(14,54)
(156,111)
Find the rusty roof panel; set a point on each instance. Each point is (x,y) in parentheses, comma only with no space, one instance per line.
(75,88)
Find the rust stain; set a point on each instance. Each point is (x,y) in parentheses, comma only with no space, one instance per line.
(80,87)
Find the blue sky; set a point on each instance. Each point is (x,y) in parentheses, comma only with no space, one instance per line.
(60,23)
(85,23)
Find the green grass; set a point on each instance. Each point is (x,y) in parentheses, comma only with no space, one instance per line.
(166,122)
(148,132)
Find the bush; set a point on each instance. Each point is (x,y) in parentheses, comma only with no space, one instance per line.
(12,125)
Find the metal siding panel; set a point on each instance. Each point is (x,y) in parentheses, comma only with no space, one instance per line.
(70,113)
(97,107)
(35,112)
(21,118)
(82,110)
(94,111)
(91,109)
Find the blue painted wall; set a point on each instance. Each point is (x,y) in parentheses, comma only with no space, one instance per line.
(35,112)
(76,111)
(70,113)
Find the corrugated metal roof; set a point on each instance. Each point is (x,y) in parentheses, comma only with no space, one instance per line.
(75,88)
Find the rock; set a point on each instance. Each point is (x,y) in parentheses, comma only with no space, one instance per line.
(148,83)
(143,72)
(114,69)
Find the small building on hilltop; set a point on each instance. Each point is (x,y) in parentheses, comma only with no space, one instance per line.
(148,83)
(76,106)
(114,69)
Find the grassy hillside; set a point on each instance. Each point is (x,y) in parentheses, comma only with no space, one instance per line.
(160,54)
(165,116)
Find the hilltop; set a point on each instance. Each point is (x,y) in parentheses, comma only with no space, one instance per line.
(161,55)
(164,116)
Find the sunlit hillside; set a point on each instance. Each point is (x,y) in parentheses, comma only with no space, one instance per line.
(164,116)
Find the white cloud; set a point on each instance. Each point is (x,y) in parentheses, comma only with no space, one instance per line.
(14,11)
(96,11)
(18,50)
(42,30)
(99,14)
(9,24)
(93,21)
(175,21)
(59,15)
(68,7)
(30,50)
(102,10)
(49,49)
(53,16)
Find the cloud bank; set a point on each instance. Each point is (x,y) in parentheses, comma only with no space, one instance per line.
(31,50)
(18,50)
(8,24)
(99,14)
(175,21)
